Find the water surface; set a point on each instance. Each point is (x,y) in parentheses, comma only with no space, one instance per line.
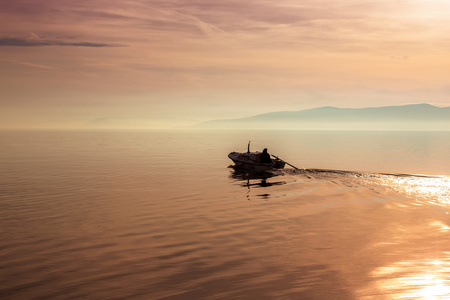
(160,215)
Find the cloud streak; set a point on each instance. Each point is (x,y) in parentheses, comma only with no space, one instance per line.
(18,42)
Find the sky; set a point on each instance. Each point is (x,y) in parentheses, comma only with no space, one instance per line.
(171,63)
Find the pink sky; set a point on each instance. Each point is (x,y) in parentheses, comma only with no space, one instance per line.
(168,63)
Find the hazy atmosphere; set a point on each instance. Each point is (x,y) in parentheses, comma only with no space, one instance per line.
(194,149)
(163,64)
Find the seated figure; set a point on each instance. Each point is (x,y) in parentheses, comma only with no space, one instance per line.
(265,157)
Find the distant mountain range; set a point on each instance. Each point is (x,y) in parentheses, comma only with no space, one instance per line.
(406,117)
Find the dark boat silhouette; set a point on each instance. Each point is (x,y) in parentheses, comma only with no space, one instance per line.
(250,161)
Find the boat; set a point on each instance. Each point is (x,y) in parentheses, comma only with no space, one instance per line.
(250,161)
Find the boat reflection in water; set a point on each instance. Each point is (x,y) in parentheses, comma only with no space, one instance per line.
(252,180)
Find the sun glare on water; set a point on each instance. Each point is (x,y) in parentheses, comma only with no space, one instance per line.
(423,279)
(432,190)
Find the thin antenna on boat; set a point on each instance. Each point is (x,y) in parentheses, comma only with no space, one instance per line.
(248,147)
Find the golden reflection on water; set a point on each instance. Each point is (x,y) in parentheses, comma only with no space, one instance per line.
(427,277)
(421,279)
(436,190)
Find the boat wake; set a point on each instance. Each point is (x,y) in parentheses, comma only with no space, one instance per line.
(426,188)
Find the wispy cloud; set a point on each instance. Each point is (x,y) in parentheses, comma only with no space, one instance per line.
(26,63)
(18,42)
(320,24)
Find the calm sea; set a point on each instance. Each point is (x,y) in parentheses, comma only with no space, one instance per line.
(160,215)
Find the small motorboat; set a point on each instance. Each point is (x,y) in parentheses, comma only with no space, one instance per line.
(250,161)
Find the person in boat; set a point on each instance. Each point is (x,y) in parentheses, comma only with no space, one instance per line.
(265,157)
